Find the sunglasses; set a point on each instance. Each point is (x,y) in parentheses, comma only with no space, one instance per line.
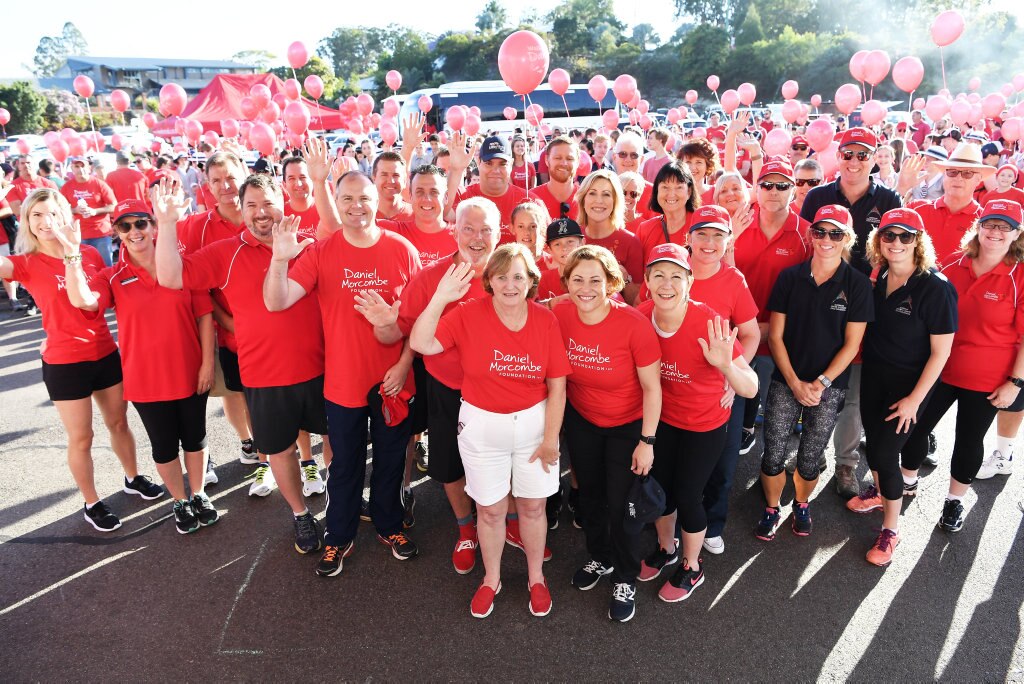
(126,226)
(799,148)
(847,155)
(966,174)
(813,182)
(627,155)
(1001,227)
(835,235)
(563,208)
(905,238)
(781,187)
(632,194)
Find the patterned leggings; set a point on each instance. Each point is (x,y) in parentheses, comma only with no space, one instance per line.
(780,414)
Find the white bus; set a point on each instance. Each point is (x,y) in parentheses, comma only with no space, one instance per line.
(493,96)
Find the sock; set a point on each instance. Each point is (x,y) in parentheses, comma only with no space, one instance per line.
(310,462)
(509,517)
(954,497)
(304,512)
(465,522)
(907,479)
(749,431)
(1005,446)
(89,506)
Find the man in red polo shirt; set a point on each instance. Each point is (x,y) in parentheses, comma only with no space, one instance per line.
(428,232)
(495,178)
(390,175)
(559,193)
(919,129)
(126,182)
(92,201)
(295,178)
(25,182)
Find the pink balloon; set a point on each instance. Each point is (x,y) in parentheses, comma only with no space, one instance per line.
(245,128)
(586,164)
(558,79)
(643,106)
(937,107)
(977,114)
(23,146)
(375,120)
(634,117)
(270,113)
(474,110)
(424,103)
(280,100)
(777,141)
(116,141)
(394,79)
(179,126)
(149,118)
(49,137)
(598,88)
(700,132)
(261,137)
(610,119)
(84,86)
(847,98)
(634,101)
(292,89)
(391,108)
(260,95)
(120,100)
(816,100)
(645,122)
(713,82)
(388,133)
(472,126)
(791,111)
(509,113)
(974,98)
(828,161)
(545,130)
(155,146)
(297,117)
(908,73)
(820,133)
(730,101)
(1018,82)
(455,118)
(1012,129)
(919,103)
(534,114)
(173,99)
(364,103)
(873,112)
(229,127)
(1018,110)
(443,135)
(624,88)
(295,140)
(211,138)
(77,146)
(314,85)
(691,96)
(974,83)
(1007,90)
(5,117)
(67,134)
(193,130)
(857,65)
(876,66)
(523,60)
(747,93)
(298,55)
(673,116)
(683,113)
(959,112)
(947,27)
(60,150)
(248,107)
(790,89)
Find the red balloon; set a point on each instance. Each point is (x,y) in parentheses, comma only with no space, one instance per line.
(292,89)
(857,65)
(120,100)
(66,134)
(116,141)
(60,150)
(747,93)
(364,103)
(424,103)
(193,130)
(610,119)
(297,116)
(455,118)
(248,108)
(472,126)
(586,164)
(393,79)
(974,83)
(624,88)
(598,88)
(919,103)
(261,95)
(156,146)
(673,116)
(643,106)
(1012,129)
(149,118)
(261,137)
(229,127)
(791,111)
(509,113)
(23,146)
(280,100)
(873,112)
(790,89)
(713,82)
(77,146)
(947,27)
(388,133)
(816,100)
(49,137)
(534,114)
(391,107)
(270,113)
(847,98)
(730,101)
(937,107)
(778,141)
(298,55)
(314,85)
(908,73)
(5,117)
(84,86)
(356,126)
(173,99)
(523,61)
(691,96)
(558,79)
(819,134)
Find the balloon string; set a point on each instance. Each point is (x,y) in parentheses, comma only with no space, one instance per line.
(910,101)
(89,111)
(942,60)
(526,174)
(318,112)
(863,91)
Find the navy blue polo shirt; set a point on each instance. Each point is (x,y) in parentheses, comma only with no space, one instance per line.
(865,212)
(900,335)
(816,317)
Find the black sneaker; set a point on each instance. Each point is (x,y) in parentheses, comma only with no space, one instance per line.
(408,506)
(144,487)
(589,575)
(801,519)
(331,562)
(910,489)
(184,517)
(769,523)
(652,566)
(364,510)
(748,438)
(574,506)
(421,456)
(204,511)
(402,547)
(952,516)
(682,583)
(623,604)
(554,508)
(930,460)
(307,533)
(100,517)
(248,455)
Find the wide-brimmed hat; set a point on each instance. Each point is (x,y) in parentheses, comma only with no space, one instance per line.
(967,156)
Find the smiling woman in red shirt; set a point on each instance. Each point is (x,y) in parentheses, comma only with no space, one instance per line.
(81,362)
(513,392)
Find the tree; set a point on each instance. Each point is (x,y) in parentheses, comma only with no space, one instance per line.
(412,58)
(73,40)
(721,13)
(315,66)
(493,17)
(750,30)
(353,52)
(25,105)
(584,29)
(53,51)
(261,59)
(644,35)
(703,51)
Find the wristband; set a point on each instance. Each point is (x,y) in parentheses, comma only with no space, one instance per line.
(72,258)
(1017,382)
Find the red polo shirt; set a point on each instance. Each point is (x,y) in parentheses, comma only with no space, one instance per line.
(513,197)
(96,194)
(945,228)
(432,247)
(553,205)
(309,219)
(20,188)
(127,183)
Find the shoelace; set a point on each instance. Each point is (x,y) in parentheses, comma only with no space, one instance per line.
(261,472)
(623,592)
(466,544)
(884,542)
(330,553)
(305,525)
(311,472)
(593,566)
(868,493)
(397,539)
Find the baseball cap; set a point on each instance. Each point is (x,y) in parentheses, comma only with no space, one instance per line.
(834,214)
(800,140)
(672,252)
(395,408)
(495,147)
(777,167)
(1007,210)
(901,126)
(562,228)
(711,216)
(859,136)
(989,149)
(130,207)
(907,219)
(81,160)
(644,504)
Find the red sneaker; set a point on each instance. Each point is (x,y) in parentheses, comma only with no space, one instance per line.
(865,502)
(540,599)
(483,601)
(464,555)
(512,538)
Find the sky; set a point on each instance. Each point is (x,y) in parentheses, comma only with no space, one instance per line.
(116,28)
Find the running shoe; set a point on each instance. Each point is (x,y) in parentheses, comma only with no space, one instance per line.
(622,607)
(802,519)
(715,545)
(402,547)
(210,478)
(332,560)
(865,502)
(952,516)
(263,481)
(910,489)
(421,456)
(307,533)
(659,559)
(930,459)
(184,518)
(748,438)
(881,553)
(769,524)
(144,487)
(408,508)
(100,517)
(248,454)
(587,577)
(203,509)
(682,583)
(995,464)
(312,483)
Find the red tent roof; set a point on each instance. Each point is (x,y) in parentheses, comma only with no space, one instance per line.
(222,97)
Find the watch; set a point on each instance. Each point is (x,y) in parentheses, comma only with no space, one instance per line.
(647,440)
(824,381)
(1017,382)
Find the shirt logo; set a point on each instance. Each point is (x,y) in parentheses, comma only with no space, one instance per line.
(582,356)
(60,282)
(839,303)
(906,307)
(671,372)
(993,296)
(874,217)
(783,251)
(362,280)
(514,365)
(129,281)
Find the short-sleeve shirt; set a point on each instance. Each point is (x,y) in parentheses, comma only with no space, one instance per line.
(945,228)
(1013,194)
(816,317)
(726,293)
(521,175)
(96,194)
(542,193)
(651,233)
(355,361)
(432,247)
(513,197)
(550,284)
(900,335)
(127,183)
(20,188)
(72,335)
(866,213)
(652,166)
(627,251)
(404,213)
(604,358)
(505,371)
(309,220)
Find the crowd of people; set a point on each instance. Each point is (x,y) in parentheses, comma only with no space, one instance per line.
(631,325)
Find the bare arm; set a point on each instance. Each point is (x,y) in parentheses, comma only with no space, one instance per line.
(207,339)
(650,383)
(736,126)
(454,284)
(460,157)
(318,164)
(554,411)
(76,284)
(382,316)
(750,338)
(169,207)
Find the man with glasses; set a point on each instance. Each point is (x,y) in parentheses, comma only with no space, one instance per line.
(799,150)
(867,201)
(558,194)
(808,174)
(92,202)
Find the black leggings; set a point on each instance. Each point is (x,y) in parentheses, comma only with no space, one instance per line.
(170,423)
(882,386)
(683,462)
(974,416)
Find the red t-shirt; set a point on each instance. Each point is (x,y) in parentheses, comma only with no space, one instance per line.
(553,205)
(338,270)
(432,247)
(275,349)
(643,205)
(4,204)
(505,371)
(550,284)
(404,213)
(446,367)
(691,388)
(652,166)
(157,330)
(521,175)
(20,188)
(72,335)
(309,220)
(96,194)
(604,358)
(651,233)
(945,228)
(513,197)
(991,322)
(726,293)
(919,133)
(127,183)
(627,251)
(1013,194)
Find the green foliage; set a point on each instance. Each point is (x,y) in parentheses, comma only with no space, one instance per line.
(53,51)
(26,106)
(261,59)
(584,29)
(315,66)
(411,58)
(492,17)
(750,30)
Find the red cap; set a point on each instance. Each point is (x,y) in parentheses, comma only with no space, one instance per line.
(130,207)
(395,408)
(836,214)
(1007,210)
(670,251)
(859,136)
(907,219)
(778,167)
(711,216)
(901,126)
(800,140)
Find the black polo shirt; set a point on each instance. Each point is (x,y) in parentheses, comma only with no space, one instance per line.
(816,317)
(865,212)
(900,335)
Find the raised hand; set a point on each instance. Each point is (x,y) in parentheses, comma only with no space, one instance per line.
(286,239)
(455,283)
(719,345)
(461,155)
(67,232)
(375,309)
(911,171)
(412,131)
(738,123)
(316,153)
(741,220)
(169,204)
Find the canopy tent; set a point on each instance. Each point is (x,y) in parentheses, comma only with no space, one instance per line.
(221,100)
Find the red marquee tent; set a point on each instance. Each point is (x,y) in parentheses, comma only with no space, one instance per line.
(222,97)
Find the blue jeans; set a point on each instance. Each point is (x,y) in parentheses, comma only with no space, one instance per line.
(347,430)
(716,491)
(103,245)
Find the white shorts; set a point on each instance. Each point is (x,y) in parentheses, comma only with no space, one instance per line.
(496,450)
(5,249)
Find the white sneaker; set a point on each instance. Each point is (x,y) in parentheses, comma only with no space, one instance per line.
(995,464)
(312,483)
(211,475)
(248,455)
(715,545)
(264,482)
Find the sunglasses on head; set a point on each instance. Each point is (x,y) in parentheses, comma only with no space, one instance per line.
(963,173)
(835,235)
(781,187)
(799,148)
(126,226)
(850,154)
(813,182)
(905,238)
(563,209)
(627,155)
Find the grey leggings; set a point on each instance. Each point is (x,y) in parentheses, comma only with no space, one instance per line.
(781,412)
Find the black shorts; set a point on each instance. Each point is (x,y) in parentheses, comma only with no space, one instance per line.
(443,405)
(418,408)
(71,381)
(229,364)
(172,423)
(278,413)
